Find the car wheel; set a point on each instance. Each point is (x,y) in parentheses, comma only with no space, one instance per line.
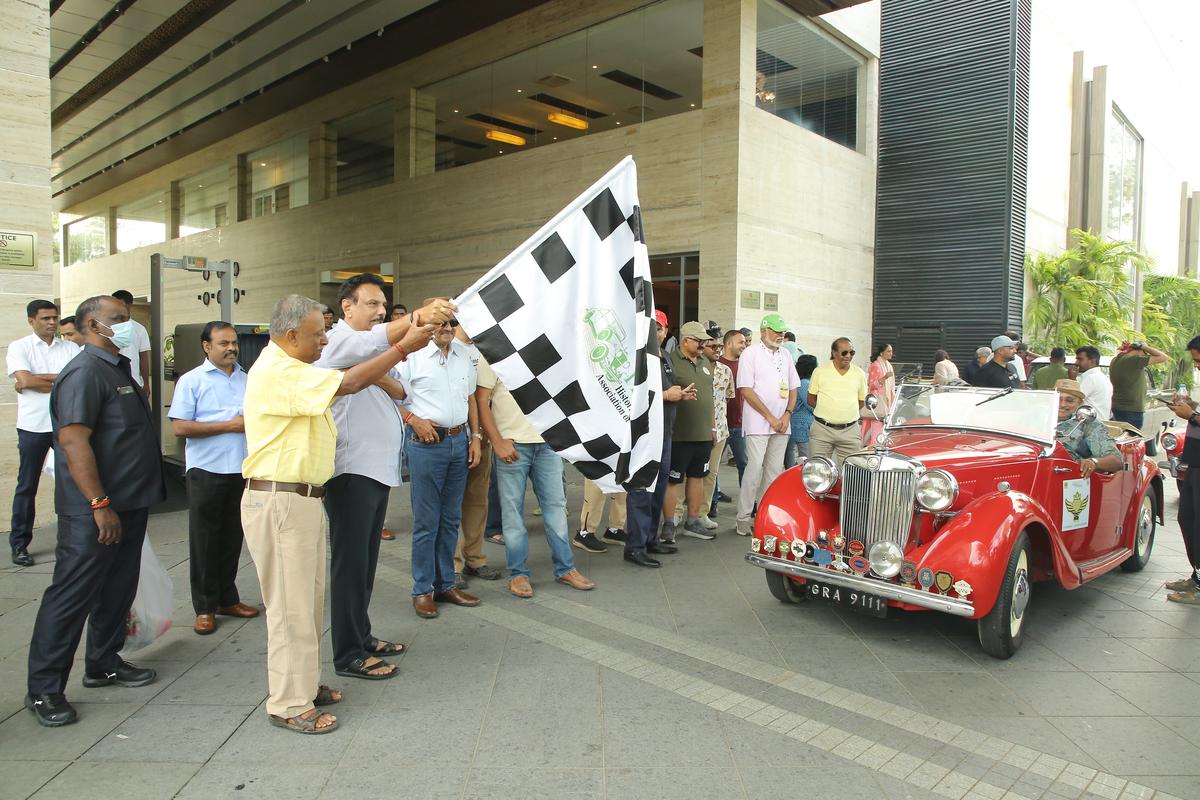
(1143,540)
(784,589)
(1001,631)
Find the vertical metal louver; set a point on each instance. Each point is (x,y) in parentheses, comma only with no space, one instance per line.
(953,154)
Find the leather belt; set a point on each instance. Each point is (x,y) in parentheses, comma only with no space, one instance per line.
(302,489)
(837,426)
(444,432)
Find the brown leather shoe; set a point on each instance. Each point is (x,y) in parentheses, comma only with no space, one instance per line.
(456,596)
(424,606)
(576,581)
(204,624)
(520,586)
(238,610)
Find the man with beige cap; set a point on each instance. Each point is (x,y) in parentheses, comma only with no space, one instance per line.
(1086,440)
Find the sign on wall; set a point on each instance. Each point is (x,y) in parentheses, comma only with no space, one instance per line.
(18,250)
(751,299)
(770,301)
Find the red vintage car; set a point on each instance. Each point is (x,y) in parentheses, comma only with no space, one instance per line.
(967,500)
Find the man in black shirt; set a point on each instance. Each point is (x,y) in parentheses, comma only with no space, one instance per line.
(109,474)
(995,374)
(1187,590)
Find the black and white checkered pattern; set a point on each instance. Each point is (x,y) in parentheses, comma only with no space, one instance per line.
(529,317)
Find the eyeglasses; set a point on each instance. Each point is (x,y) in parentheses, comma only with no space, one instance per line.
(450,323)
(712,347)
(846,352)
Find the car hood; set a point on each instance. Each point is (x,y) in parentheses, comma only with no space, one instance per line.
(978,461)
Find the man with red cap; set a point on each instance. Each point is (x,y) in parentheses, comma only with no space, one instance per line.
(643,509)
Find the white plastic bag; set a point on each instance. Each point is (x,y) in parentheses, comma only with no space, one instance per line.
(150,615)
(48,464)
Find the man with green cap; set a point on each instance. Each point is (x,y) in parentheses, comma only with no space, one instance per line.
(767,383)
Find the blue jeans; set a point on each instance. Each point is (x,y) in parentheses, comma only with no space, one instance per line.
(536,462)
(737,443)
(438,478)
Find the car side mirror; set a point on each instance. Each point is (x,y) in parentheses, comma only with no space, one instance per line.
(1085,413)
(872,402)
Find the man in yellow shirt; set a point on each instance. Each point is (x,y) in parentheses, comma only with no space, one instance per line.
(836,392)
(290,441)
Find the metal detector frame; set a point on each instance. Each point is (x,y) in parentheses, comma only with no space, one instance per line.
(158,262)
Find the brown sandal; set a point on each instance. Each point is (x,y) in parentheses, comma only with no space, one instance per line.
(304,723)
(327,697)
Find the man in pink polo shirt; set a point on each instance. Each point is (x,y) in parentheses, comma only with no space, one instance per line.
(767,382)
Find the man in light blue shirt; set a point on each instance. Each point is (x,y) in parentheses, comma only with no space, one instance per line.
(442,442)
(206,410)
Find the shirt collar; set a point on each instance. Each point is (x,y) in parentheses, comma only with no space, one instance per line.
(208,366)
(104,355)
(432,349)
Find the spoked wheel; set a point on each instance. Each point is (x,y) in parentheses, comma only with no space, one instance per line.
(784,589)
(1000,632)
(1143,541)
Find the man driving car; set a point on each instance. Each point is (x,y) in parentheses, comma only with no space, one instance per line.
(1086,440)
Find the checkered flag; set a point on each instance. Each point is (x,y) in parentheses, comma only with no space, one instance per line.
(565,321)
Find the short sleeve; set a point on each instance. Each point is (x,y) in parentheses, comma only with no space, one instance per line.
(472,377)
(1100,443)
(183,402)
(79,398)
(862,386)
(814,383)
(143,339)
(793,376)
(485,376)
(730,389)
(301,390)
(18,358)
(745,373)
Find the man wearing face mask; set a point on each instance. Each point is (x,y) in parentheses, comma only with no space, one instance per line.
(109,473)
(206,410)
(766,383)
(134,342)
(836,392)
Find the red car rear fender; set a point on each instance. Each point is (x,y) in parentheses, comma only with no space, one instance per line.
(975,546)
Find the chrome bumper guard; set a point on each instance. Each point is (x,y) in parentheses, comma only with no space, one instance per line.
(916,597)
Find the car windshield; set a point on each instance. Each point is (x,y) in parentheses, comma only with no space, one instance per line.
(1029,414)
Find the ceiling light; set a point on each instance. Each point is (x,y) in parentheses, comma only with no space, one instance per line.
(262,163)
(518,91)
(567,121)
(555,138)
(693,105)
(507,138)
(456,111)
(618,123)
(594,66)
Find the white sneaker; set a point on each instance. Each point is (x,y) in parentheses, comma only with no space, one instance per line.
(707,523)
(745,527)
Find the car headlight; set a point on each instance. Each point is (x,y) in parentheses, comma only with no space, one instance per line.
(937,490)
(886,559)
(1169,441)
(818,474)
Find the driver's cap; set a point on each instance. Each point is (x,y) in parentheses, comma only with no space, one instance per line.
(1068,386)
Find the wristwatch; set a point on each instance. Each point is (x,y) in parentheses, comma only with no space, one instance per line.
(477,435)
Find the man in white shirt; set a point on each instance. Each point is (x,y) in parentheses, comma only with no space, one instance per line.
(1097,389)
(138,351)
(33,363)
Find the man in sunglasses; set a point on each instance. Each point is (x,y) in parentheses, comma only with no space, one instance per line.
(767,383)
(836,391)
(442,442)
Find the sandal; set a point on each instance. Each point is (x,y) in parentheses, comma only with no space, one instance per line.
(495,538)
(304,723)
(359,668)
(327,697)
(380,647)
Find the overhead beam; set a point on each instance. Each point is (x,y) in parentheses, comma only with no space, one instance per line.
(172,31)
(101,25)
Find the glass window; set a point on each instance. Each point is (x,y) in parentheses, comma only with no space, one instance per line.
(279,176)
(87,238)
(141,222)
(806,77)
(1123,171)
(643,65)
(204,201)
(365,146)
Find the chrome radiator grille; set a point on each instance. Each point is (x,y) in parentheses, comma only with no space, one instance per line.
(877,501)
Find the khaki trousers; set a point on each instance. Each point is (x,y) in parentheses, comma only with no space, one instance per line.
(710,480)
(285,533)
(835,444)
(469,550)
(593,508)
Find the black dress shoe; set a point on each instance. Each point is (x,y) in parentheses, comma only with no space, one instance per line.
(641,559)
(662,549)
(21,557)
(51,710)
(723,498)
(125,674)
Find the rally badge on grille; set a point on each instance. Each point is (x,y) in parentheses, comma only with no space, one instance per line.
(856,548)
(769,545)
(860,565)
(963,588)
(908,573)
(925,578)
(944,580)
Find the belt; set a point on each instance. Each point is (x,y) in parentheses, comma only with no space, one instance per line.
(444,432)
(837,426)
(302,489)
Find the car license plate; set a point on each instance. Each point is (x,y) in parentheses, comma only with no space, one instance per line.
(859,601)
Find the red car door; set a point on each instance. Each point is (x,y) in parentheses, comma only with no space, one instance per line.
(1088,510)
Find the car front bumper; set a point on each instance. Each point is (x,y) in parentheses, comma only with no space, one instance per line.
(916,597)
